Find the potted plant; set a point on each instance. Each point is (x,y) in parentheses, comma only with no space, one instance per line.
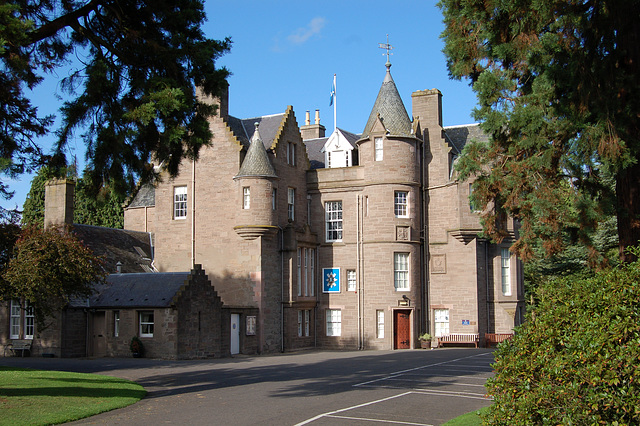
(425,341)
(136,347)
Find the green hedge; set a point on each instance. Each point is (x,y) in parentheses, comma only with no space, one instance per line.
(577,359)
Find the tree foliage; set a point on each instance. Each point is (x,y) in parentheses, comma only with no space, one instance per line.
(558,94)
(103,208)
(132,89)
(49,268)
(577,358)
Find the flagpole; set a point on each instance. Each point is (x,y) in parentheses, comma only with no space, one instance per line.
(335,101)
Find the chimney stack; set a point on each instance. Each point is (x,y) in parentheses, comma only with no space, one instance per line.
(312,131)
(58,202)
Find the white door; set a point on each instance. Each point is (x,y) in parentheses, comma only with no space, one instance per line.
(235,334)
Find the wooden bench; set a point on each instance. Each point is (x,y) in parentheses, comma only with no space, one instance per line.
(495,338)
(18,346)
(470,338)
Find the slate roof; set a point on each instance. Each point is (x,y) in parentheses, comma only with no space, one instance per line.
(458,136)
(391,109)
(268,126)
(256,162)
(138,290)
(131,248)
(145,196)
(314,147)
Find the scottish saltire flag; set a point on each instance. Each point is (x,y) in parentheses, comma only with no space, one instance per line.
(333,90)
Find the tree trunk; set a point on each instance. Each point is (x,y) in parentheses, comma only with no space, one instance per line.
(628,196)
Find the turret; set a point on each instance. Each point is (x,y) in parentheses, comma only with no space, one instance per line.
(254,182)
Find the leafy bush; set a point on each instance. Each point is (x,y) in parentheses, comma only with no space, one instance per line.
(577,358)
(136,346)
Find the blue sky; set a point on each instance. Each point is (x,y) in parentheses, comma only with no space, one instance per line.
(286,53)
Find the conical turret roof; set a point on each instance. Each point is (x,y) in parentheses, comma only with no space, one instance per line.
(390,108)
(256,163)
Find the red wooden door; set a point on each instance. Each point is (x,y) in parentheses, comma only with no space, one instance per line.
(402,329)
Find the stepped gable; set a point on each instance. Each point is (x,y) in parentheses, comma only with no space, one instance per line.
(390,108)
(268,125)
(256,163)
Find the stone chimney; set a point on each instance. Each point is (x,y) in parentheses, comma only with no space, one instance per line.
(58,202)
(222,101)
(312,131)
(427,107)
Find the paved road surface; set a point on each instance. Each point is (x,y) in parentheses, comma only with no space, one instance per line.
(412,387)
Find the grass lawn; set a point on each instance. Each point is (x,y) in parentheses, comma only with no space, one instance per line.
(38,397)
(469,419)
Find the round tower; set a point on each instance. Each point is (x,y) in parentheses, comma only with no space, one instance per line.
(255,191)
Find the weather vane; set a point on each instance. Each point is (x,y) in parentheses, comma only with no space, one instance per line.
(388,47)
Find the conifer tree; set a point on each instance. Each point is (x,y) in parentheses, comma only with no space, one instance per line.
(558,91)
(135,66)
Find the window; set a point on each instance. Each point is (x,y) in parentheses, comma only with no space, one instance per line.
(401,271)
(246,197)
(328,159)
(333,215)
(334,322)
(116,323)
(306,271)
(146,324)
(291,198)
(400,204)
(505,258)
(351,280)
(274,197)
(378,148)
(22,321)
(472,206)
(442,322)
(303,323)
(180,202)
(291,153)
(380,324)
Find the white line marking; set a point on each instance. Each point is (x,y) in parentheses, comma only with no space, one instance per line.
(350,408)
(379,420)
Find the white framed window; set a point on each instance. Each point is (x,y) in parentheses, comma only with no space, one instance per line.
(401,271)
(116,323)
(378,148)
(401,204)
(351,280)
(22,323)
(307,320)
(441,322)
(303,323)
(306,271)
(333,217)
(146,323)
(505,263)
(334,322)
(291,203)
(380,324)
(180,202)
(291,153)
(16,319)
(246,197)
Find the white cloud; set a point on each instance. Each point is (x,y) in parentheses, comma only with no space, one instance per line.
(303,34)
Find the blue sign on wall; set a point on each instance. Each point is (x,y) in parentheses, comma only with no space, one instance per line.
(331,280)
(466,322)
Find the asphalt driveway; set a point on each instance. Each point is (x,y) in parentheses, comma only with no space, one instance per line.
(418,387)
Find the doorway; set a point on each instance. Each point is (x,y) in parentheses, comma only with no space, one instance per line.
(99,334)
(235,334)
(402,329)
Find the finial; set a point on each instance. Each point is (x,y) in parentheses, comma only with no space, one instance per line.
(388,47)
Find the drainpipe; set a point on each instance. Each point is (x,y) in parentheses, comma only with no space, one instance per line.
(358,269)
(193,212)
(281,232)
